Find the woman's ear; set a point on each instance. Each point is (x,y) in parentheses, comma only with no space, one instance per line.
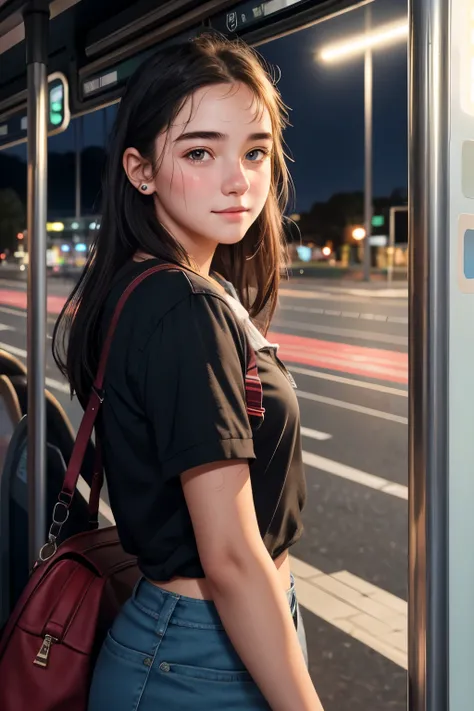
(139,171)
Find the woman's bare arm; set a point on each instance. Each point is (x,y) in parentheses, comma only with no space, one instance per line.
(245,585)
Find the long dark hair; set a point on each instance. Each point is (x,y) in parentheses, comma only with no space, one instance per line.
(154,96)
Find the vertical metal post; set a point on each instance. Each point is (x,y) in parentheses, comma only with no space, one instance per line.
(78,130)
(428,355)
(368,91)
(36,19)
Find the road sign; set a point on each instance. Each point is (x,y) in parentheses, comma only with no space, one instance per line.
(13,124)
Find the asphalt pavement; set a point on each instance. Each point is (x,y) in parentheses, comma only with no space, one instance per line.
(346,346)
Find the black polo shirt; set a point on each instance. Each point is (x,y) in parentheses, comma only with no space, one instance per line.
(175,399)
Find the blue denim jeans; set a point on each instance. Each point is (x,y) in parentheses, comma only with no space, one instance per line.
(169,652)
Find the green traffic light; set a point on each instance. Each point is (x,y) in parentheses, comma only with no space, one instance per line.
(55,118)
(378,221)
(56,105)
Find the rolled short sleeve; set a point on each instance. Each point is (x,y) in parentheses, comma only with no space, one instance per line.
(195,386)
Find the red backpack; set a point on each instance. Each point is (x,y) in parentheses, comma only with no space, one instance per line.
(51,640)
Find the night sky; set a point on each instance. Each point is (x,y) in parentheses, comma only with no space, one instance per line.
(327,102)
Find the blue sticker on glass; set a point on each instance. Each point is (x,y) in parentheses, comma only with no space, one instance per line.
(469,254)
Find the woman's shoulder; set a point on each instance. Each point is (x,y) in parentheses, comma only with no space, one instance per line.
(161,293)
(158,283)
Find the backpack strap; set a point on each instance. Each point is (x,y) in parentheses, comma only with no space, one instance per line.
(253,386)
(254,397)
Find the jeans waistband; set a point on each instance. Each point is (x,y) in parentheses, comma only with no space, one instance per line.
(188,611)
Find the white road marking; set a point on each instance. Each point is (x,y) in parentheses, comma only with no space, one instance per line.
(351,406)
(348,381)
(343,332)
(19,352)
(63,387)
(104,509)
(336,296)
(399,293)
(356,475)
(21,312)
(383,292)
(12,312)
(19,285)
(383,318)
(315,434)
(364,611)
(4,327)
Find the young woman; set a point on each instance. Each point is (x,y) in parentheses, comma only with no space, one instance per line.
(206,494)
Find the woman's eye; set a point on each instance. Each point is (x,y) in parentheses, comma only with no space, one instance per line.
(197,155)
(256,154)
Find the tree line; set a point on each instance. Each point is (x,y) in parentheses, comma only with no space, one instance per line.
(329,221)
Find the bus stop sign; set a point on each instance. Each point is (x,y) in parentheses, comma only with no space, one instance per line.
(13,123)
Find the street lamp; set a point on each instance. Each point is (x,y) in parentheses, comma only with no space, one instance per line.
(354,46)
(358,233)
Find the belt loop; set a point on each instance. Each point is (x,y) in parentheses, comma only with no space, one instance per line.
(169,603)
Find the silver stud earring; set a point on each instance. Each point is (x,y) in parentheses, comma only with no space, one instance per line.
(144,187)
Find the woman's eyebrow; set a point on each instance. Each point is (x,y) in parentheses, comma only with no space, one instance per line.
(217,136)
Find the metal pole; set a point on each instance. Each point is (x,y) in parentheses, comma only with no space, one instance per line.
(428,355)
(368,81)
(36,19)
(79,140)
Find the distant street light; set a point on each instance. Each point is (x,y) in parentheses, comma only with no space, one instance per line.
(354,46)
(359,233)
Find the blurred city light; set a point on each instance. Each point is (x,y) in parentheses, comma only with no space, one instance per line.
(358,233)
(304,252)
(54,226)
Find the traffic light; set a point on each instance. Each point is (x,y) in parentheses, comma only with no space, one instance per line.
(378,221)
(14,122)
(58,113)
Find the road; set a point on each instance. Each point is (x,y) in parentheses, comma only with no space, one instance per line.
(346,345)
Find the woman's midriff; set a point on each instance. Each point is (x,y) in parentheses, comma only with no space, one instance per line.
(199,589)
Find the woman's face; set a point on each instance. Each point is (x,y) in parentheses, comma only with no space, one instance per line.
(214,169)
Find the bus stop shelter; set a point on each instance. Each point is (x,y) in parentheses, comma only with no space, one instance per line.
(63,58)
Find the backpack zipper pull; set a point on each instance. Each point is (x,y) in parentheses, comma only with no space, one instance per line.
(42,657)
